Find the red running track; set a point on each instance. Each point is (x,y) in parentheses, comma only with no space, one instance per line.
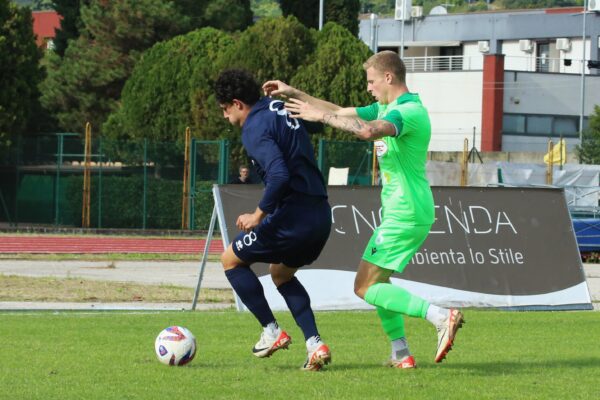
(100,245)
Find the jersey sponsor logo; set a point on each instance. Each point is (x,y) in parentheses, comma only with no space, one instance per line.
(276,106)
(380,148)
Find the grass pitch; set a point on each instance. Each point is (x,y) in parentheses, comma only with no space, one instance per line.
(110,355)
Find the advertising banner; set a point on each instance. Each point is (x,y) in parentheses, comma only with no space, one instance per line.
(489,247)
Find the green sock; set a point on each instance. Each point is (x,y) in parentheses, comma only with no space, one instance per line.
(396,299)
(392,322)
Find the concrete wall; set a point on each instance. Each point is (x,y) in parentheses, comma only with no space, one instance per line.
(490,156)
(556,94)
(454,103)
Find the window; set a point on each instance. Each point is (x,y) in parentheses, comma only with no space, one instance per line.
(566,126)
(513,123)
(541,125)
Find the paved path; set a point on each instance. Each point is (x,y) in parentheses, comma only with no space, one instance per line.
(102,245)
(179,273)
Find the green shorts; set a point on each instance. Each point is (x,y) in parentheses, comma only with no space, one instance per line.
(393,245)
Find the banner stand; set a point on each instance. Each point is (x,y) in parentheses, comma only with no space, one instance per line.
(217,212)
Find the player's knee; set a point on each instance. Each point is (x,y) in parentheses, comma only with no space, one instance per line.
(281,274)
(227,261)
(359,289)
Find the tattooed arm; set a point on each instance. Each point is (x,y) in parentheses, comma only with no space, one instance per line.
(365,130)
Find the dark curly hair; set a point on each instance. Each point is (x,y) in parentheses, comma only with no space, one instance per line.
(237,84)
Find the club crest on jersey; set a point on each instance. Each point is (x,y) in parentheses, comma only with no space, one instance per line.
(380,148)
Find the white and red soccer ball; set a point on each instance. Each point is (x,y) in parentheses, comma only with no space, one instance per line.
(175,345)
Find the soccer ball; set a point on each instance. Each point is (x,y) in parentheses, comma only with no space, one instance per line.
(175,345)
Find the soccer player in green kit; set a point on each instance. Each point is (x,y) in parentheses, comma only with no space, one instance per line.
(400,127)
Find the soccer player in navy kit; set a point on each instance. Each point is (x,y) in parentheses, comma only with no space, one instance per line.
(291,224)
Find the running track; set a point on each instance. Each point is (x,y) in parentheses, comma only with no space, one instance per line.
(101,245)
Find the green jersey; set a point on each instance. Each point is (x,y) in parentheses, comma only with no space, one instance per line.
(406,196)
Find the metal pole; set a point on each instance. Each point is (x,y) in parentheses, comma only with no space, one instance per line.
(192,178)
(321,14)
(145,183)
(373,33)
(100,183)
(321,157)
(582,92)
(59,157)
(211,228)
(402,33)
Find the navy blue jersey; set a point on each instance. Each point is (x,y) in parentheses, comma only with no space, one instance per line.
(281,152)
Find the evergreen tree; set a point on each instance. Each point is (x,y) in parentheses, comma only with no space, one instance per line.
(19,71)
(589,151)
(70,23)
(160,98)
(335,71)
(228,15)
(86,83)
(272,48)
(343,12)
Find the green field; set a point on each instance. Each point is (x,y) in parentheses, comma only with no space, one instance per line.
(110,355)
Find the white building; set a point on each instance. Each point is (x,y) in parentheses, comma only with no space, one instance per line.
(512,77)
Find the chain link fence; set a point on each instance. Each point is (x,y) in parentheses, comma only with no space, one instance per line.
(134,184)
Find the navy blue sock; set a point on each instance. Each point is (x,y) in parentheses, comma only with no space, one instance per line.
(298,302)
(248,288)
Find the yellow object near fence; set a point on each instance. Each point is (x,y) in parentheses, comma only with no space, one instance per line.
(558,154)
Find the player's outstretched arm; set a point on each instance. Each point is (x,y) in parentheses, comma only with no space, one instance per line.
(346,120)
(282,89)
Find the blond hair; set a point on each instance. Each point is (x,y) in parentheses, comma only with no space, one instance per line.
(387,61)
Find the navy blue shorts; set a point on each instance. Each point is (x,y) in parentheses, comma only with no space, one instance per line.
(294,234)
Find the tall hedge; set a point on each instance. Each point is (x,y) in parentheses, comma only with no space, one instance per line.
(160,99)
(335,71)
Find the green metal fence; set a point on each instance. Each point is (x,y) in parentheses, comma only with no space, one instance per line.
(357,156)
(134,184)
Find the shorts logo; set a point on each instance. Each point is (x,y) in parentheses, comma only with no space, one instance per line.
(246,240)
(380,148)
(373,250)
(379,239)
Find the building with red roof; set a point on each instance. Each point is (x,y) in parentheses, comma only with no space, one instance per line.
(44,25)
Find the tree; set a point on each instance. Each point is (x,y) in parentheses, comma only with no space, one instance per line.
(266,8)
(272,48)
(343,12)
(86,83)
(229,15)
(159,99)
(70,23)
(335,71)
(589,151)
(19,71)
